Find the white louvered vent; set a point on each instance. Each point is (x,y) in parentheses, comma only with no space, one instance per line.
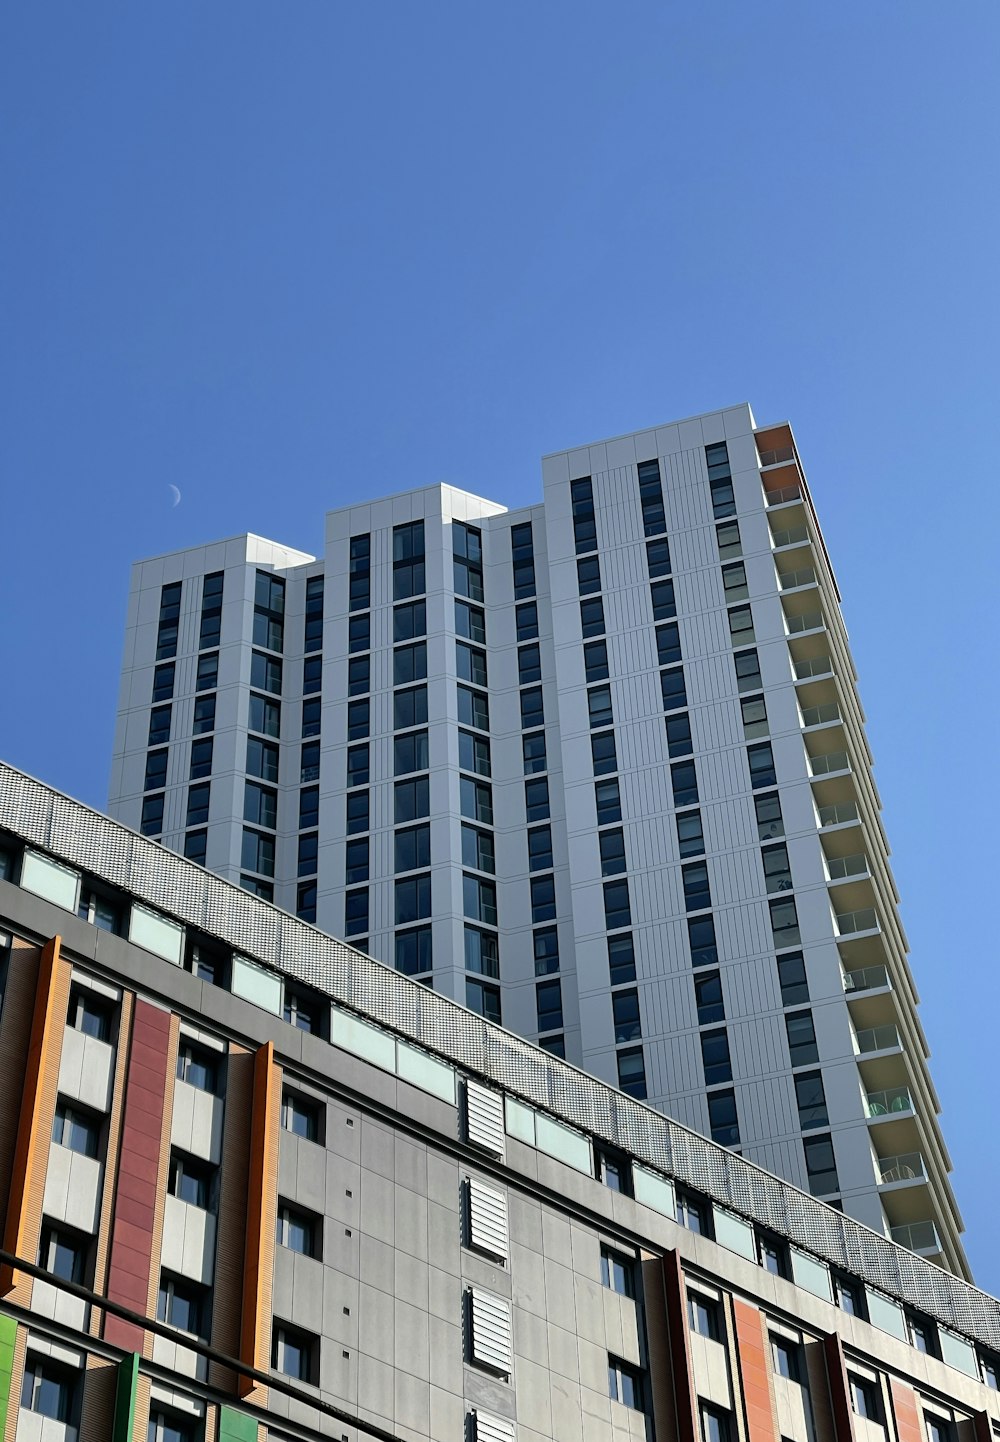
(491,1339)
(488,1428)
(484,1118)
(487,1220)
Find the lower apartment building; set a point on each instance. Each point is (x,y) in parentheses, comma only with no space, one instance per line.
(255,1185)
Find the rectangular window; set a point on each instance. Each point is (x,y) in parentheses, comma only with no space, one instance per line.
(747,668)
(690,837)
(532,712)
(777,872)
(543,898)
(701,938)
(697,893)
(632,1072)
(482,952)
(298,1231)
(654,519)
(703,1316)
(811,1100)
(768,812)
(408,560)
(64,1253)
(684,781)
(357,812)
(599,707)
(529,665)
(413,899)
(618,1272)
(784,923)
(201,758)
(708,998)
(197,1066)
(802,1049)
(256,887)
(260,805)
(474,753)
(356,912)
(526,620)
(524,579)
(728,538)
(540,848)
(785,1358)
(545,943)
(294,1353)
(617,910)
(753,712)
(722,1118)
(302,1116)
(664,604)
(536,799)
(412,799)
(159,726)
(305,901)
(156,770)
(584,523)
(413,953)
(358,765)
(170,610)
(309,763)
(359,633)
(477,849)
(609,806)
(592,617)
(612,847)
(312,675)
(821,1165)
(473,708)
(312,711)
(673,689)
(715,1057)
(604,754)
(470,622)
(360,573)
(313,635)
(483,999)
(308,855)
(621,959)
(91,1014)
(412,848)
(864,1398)
(476,800)
(409,753)
(208,672)
(548,1004)
(51,1390)
(163,682)
(741,625)
(692,1214)
(761,762)
(264,715)
(265,672)
(734,582)
(658,558)
(467,547)
(356,863)
(409,621)
(668,643)
(196,846)
(533,752)
(588,575)
(190,1180)
(358,719)
(409,708)
(625,1013)
(151,821)
(269,612)
(358,679)
(409,663)
(720,480)
(792,979)
(258,852)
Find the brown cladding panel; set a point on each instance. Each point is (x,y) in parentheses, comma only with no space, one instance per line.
(904,1406)
(258,1263)
(836,1376)
(130,1262)
(685,1396)
(755,1372)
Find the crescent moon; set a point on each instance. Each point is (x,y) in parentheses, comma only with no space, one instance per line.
(176,495)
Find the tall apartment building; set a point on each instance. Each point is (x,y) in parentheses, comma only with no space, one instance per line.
(595,768)
(257,1187)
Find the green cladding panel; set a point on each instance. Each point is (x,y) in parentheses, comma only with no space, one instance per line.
(8,1335)
(125,1390)
(236,1426)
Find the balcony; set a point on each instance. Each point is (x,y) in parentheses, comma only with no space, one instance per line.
(790,536)
(823,715)
(805,621)
(791,580)
(877,1039)
(839,868)
(817,666)
(838,815)
(851,923)
(866,978)
(905,1167)
(829,762)
(782,495)
(893,1101)
(777,457)
(918,1237)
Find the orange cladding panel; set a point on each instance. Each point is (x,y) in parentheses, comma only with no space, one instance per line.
(904,1405)
(755,1372)
(262,1195)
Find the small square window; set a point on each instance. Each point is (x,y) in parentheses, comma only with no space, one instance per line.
(294,1353)
(302,1116)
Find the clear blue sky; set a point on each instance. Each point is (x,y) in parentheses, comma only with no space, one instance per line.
(287,255)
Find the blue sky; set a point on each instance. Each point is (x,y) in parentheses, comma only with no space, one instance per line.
(286,255)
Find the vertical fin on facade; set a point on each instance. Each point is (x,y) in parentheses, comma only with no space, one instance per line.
(8,1338)
(126,1389)
(41,1078)
(836,1375)
(685,1396)
(262,1200)
(755,1370)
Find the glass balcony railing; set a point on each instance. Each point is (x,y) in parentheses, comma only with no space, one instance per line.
(837,815)
(866,978)
(917,1236)
(889,1102)
(775,458)
(829,761)
(808,621)
(818,666)
(782,494)
(906,1167)
(877,1038)
(793,536)
(820,715)
(841,866)
(849,922)
(804,576)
